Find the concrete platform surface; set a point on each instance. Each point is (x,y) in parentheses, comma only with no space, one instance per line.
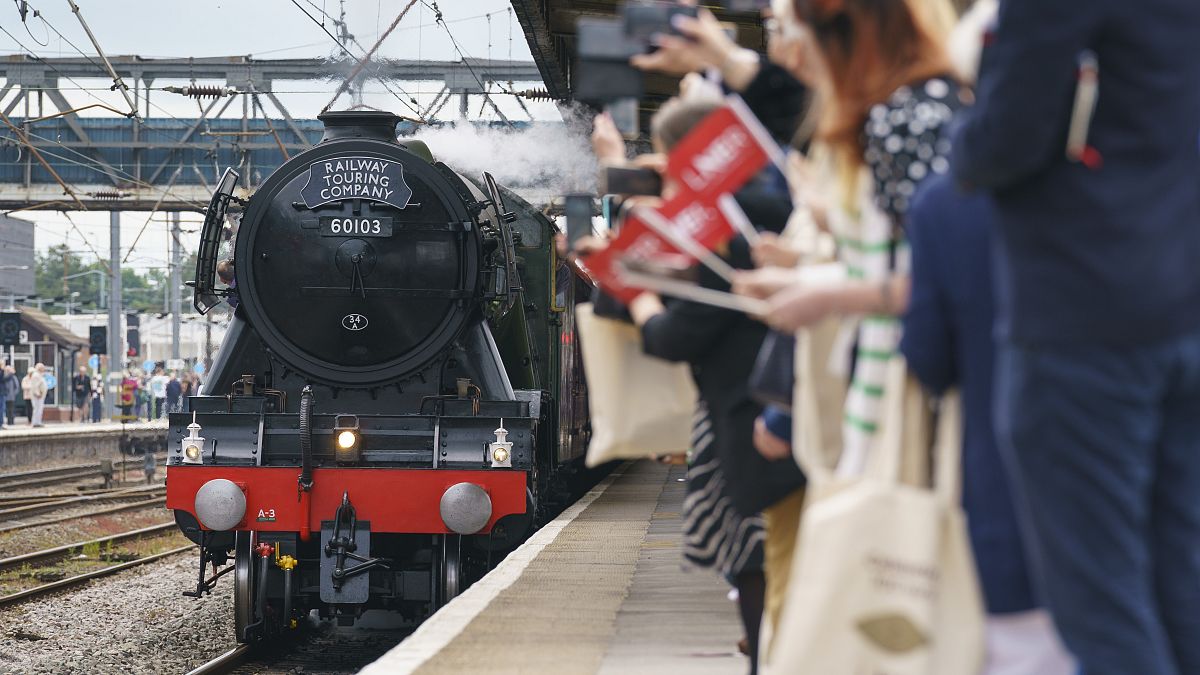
(22,446)
(76,428)
(601,589)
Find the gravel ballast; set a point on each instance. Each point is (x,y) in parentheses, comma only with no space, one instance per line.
(135,622)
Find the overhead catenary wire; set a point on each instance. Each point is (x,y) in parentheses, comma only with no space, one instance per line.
(377,72)
(24,139)
(33,54)
(345,86)
(440,19)
(87,242)
(153,210)
(91,164)
(118,83)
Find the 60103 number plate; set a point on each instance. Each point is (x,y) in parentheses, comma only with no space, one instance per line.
(337,226)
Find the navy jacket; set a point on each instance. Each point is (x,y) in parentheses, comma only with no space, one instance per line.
(1111,254)
(948,342)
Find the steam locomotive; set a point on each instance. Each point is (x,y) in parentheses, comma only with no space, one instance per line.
(398,400)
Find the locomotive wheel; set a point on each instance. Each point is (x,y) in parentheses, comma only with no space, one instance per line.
(264,622)
(243,583)
(450,572)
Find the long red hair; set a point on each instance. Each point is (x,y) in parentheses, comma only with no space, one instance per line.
(870,48)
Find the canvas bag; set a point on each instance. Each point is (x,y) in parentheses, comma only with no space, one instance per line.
(883,580)
(641,406)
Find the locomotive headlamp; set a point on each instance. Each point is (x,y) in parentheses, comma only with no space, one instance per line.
(500,450)
(346,447)
(193,445)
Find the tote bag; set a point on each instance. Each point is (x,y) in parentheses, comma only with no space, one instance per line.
(640,405)
(883,580)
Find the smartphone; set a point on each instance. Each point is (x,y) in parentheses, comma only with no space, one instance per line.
(602,72)
(624,113)
(578,210)
(745,5)
(645,18)
(609,206)
(620,180)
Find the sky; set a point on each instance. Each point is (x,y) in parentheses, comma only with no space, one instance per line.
(265,29)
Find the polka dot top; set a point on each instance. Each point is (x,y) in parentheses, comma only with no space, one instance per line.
(906,141)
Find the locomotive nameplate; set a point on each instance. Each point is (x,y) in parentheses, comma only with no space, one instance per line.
(339,178)
(351,226)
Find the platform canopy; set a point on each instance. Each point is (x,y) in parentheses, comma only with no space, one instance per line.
(549,27)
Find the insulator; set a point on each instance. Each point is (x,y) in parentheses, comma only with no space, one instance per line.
(536,95)
(106,194)
(202,91)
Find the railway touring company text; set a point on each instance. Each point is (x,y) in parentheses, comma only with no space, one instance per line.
(355,178)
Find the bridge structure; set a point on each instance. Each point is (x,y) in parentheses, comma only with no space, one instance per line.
(56,153)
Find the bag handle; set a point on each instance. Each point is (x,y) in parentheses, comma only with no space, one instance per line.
(948,450)
(908,440)
(806,420)
(895,427)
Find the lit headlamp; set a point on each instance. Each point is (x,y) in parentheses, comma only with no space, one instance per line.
(192,446)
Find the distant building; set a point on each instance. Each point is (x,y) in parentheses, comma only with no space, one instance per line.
(198,338)
(16,250)
(46,341)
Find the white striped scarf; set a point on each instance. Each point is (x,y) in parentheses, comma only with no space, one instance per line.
(865,247)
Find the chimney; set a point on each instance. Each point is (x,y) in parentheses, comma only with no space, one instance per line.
(351,124)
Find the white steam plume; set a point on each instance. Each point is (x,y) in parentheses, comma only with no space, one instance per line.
(539,162)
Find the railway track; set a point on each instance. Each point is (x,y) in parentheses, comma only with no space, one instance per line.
(57,554)
(79,579)
(322,649)
(24,508)
(134,506)
(22,480)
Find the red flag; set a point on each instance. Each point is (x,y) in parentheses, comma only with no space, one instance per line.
(718,156)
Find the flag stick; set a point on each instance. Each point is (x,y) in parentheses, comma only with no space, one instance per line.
(662,227)
(737,217)
(685,290)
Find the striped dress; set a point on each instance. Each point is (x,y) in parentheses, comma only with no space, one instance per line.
(905,143)
(715,535)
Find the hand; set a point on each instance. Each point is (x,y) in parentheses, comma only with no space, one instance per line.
(771,251)
(763,283)
(701,44)
(655,161)
(645,307)
(607,142)
(768,444)
(589,244)
(798,307)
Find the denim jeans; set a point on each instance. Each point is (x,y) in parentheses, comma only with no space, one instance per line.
(1103,446)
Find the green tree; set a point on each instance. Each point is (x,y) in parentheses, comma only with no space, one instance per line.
(140,292)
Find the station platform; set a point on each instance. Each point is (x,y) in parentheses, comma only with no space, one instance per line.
(601,589)
(22,446)
(73,428)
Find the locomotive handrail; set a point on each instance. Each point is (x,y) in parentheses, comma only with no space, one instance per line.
(512,277)
(206,294)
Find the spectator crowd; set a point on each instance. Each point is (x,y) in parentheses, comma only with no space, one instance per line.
(1008,204)
(142,395)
